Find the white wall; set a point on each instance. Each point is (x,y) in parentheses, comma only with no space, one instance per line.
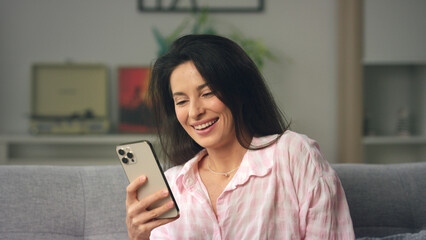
(301,32)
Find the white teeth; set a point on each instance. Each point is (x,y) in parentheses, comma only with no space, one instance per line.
(202,126)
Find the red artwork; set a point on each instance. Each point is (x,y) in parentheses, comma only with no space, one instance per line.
(135,111)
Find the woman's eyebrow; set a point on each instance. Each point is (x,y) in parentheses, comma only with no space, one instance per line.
(178,94)
(199,88)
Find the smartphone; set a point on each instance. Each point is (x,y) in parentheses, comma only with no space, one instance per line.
(139,158)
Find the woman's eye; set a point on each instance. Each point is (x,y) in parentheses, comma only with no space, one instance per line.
(180,102)
(207,94)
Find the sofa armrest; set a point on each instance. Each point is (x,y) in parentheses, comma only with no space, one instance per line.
(385,199)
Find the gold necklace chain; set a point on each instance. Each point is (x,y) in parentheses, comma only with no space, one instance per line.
(226,174)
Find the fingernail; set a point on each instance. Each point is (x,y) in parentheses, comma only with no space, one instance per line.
(142,179)
(170,204)
(165,192)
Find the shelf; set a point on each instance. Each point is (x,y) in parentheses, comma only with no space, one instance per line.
(393,140)
(64,149)
(368,62)
(75,139)
(63,161)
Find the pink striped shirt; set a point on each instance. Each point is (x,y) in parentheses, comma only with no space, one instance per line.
(286,191)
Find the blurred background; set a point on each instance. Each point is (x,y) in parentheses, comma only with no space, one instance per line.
(349,74)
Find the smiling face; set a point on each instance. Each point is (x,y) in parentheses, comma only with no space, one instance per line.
(203,116)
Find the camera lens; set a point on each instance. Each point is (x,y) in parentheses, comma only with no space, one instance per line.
(130,155)
(125,160)
(121,152)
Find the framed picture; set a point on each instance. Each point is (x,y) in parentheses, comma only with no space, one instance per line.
(134,108)
(198,5)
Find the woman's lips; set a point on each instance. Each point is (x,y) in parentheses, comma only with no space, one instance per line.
(204,128)
(205,125)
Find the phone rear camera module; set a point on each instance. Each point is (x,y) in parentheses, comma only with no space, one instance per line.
(121,152)
(126,155)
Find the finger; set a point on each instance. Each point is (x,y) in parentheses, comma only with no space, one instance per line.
(160,222)
(153,214)
(151,223)
(132,189)
(152,198)
(148,227)
(137,208)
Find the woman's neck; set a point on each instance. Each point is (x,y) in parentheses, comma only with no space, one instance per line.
(225,158)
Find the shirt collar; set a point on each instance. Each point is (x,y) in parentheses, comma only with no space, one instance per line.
(256,163)
(187,177)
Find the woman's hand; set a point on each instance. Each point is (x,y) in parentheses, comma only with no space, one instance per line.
(140,222)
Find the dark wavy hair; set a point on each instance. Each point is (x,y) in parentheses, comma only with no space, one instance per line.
(232,76)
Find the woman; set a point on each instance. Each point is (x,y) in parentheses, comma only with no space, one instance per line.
(240,173)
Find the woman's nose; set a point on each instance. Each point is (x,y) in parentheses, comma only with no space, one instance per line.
(196,109)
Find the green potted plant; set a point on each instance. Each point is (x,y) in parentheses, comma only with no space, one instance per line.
(200,24)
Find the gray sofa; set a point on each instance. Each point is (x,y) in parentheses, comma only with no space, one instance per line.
(52,202)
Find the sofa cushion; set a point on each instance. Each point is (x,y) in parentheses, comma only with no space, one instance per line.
(41,203)
(402,236)
(105,194)
(51,202)
(385,200)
